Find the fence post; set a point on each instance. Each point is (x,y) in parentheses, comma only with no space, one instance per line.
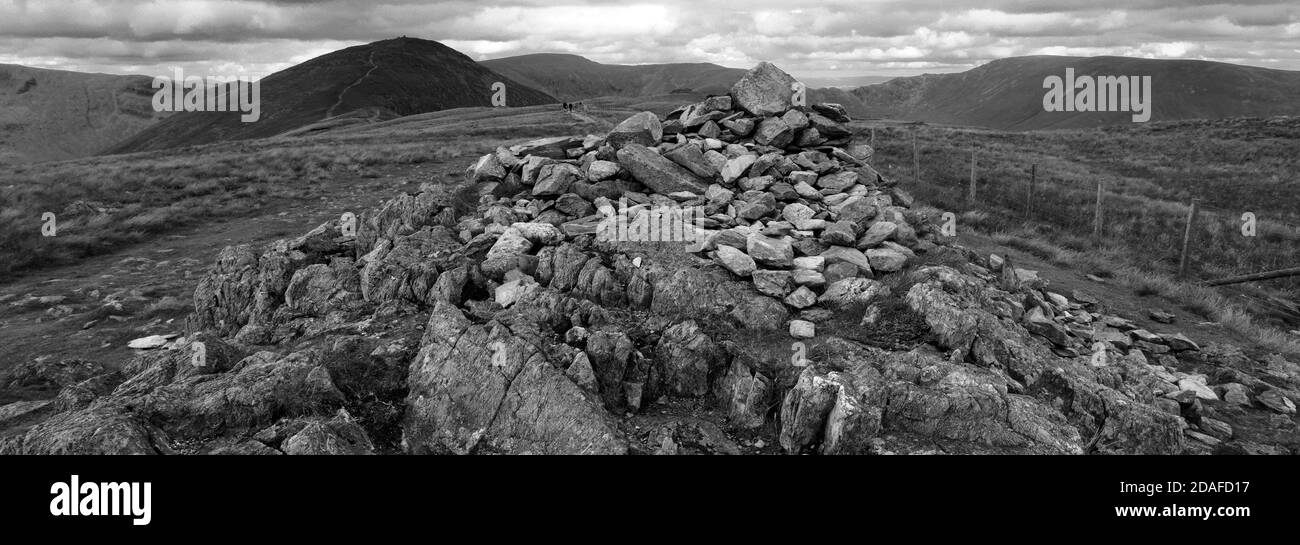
(916,159)
(971,197)
(873,138)
(1187,238)
(1029,197)
(1096,218)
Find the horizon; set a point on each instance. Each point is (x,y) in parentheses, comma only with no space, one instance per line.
(814,81)
(820,40)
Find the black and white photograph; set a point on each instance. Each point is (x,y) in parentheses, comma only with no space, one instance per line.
(1005,231)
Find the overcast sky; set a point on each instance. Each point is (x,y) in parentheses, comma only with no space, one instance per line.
(809,38)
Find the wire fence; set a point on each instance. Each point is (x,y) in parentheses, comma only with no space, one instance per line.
(1090,215)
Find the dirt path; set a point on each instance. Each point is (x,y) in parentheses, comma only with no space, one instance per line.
(370,60)
(91,309)
(588,119)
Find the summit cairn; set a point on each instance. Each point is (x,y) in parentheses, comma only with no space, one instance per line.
(786,200)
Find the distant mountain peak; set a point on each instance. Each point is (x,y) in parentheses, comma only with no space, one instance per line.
(1008,93)
(392,77)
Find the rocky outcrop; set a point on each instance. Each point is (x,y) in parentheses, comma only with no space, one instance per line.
(96,430)
(51,374)
(919,396)
(482,388)
(340,435)
(259,390)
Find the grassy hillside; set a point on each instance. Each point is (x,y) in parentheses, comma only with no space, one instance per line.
(55,114)
(1008,93)
(104,204)
(572,78)
(1150,172)
(389,78)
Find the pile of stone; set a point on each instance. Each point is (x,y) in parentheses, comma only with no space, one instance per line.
(1074,327)
(787,200)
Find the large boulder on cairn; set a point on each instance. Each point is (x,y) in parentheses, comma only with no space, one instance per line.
(764,91)
(643,128)
(658,173)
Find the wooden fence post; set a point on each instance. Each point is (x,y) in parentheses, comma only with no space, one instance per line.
(1187,239)
(1096,218)
(1029,197)
(916,159)
(971,197)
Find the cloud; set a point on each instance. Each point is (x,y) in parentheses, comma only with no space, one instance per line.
(815,38)
(1001,23)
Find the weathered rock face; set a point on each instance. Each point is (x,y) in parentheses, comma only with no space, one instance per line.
(805,410)
(918,395)
(89,431)
(410,268)
(19,411)
(51,374)
(686,358)
(959,311)
(1116,423)
(403,215)
(317,288)
(260,390)
(481,388)
(567,313)
(337,436)
(239,287)
(745,395)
